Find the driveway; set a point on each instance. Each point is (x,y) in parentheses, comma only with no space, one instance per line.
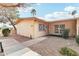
(51,45)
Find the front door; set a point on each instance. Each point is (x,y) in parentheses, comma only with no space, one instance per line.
(59,29)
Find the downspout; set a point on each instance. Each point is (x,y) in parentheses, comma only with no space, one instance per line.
(75,25)
(33,27)
(76,28)
(47,28)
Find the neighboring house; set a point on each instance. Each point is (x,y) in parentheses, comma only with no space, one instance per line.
(35,27)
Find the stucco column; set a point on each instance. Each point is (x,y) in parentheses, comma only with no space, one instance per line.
(77,27)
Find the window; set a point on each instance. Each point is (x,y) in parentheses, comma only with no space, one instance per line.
(42,27)
(59,28)
(62,27)
(56,28)
(45,27)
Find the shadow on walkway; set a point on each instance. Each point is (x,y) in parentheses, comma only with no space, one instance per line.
(20,38)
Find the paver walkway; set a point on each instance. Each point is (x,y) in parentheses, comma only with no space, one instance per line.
(51,45)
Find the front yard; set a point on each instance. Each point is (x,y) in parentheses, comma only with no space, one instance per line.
(44,46)
(51,45)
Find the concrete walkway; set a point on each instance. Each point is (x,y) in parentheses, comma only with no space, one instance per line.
(14,48)
(33,41)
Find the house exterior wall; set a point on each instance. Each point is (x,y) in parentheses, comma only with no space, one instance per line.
(77,26)
(69,24)
(30,28)
(25,28)
(39,33)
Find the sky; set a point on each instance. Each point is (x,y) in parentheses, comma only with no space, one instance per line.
(51,11)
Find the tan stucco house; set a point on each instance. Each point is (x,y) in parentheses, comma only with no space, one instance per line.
(56,27)
(32,27)
(35,27)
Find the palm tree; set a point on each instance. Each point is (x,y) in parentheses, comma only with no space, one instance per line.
(33,12)
(73,13)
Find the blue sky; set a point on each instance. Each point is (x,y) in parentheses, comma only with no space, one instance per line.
(51,10)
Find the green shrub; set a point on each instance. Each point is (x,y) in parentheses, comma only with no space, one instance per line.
(77,39)
(65,33)
(68,52)
(6,32)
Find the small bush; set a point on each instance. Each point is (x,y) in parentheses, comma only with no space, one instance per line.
(68,52)
(65,33)
(77,39)
(6,32)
